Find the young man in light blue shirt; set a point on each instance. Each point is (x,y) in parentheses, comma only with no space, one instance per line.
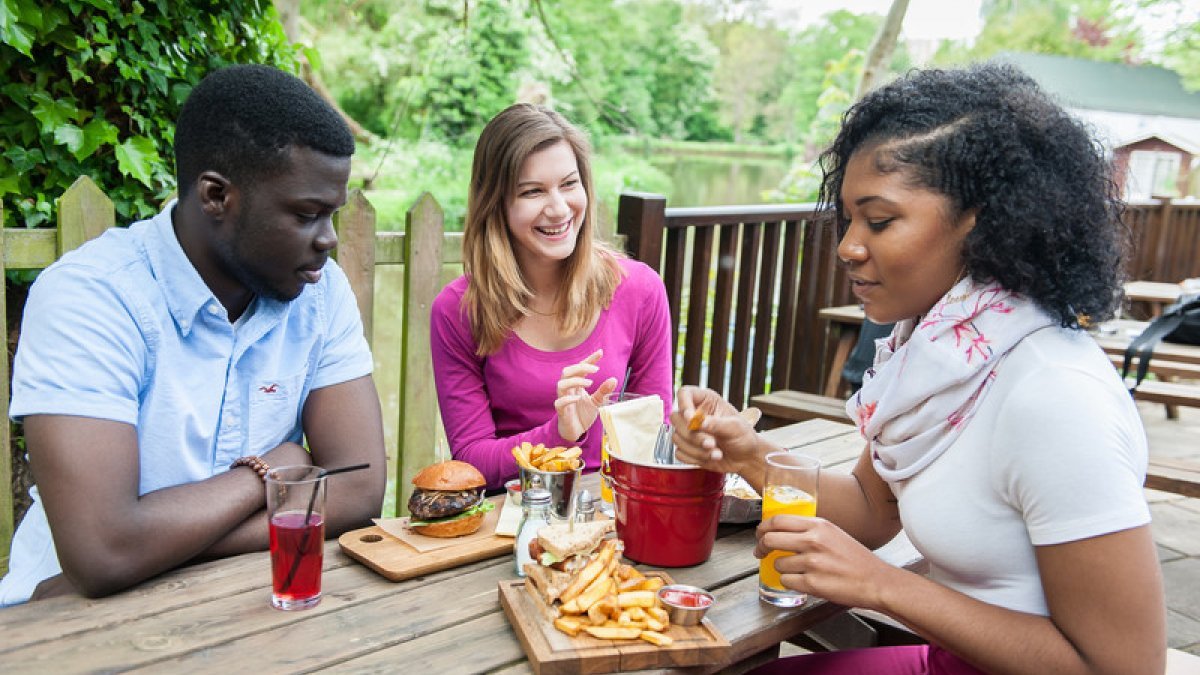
(160,365)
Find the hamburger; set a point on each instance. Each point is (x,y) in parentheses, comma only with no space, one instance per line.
(558,552)
(448,500)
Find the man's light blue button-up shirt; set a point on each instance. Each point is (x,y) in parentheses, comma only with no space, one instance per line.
(125,329)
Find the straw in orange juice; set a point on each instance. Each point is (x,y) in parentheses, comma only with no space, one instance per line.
(782,500)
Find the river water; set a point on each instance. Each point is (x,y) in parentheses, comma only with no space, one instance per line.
(709,180)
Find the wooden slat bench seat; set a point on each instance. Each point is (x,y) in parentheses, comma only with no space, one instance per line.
(782,407)
(1172,475)
(1170,393)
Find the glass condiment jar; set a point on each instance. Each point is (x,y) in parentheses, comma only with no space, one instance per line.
(535,514)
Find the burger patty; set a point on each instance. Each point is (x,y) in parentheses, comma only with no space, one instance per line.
(429,504)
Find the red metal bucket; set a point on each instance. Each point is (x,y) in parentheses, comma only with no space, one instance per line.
(666,514)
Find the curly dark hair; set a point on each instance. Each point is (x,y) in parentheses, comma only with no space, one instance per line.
(242,120)
(1047,216)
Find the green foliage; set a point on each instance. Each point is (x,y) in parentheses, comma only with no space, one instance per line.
(1089,29)
(92,87)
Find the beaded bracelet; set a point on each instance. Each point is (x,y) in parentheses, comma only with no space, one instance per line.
(258,464)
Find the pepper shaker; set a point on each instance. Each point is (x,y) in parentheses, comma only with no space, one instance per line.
(585,507)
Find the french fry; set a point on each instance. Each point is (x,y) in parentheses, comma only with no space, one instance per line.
(598,589)
(655,625)
(636,613)
(569,625)
(521,456)
(645,599)
(571,453)
(571,607)
(599,612)
(614,633)
(696,421)
(625,572)
(651,584)
(550,454)
(659,614)
(589,573)
(656,638)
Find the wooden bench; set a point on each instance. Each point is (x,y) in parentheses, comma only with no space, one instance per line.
(787,406)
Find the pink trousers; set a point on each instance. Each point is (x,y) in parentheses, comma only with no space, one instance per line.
(906,660)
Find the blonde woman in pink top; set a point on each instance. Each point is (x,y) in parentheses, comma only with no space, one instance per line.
(547,320)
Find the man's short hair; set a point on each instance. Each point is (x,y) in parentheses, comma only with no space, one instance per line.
(241,121)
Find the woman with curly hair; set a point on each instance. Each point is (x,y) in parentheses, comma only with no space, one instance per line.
(544,310)
(980,216)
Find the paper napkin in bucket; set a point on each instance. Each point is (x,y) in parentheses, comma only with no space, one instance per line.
(632,427)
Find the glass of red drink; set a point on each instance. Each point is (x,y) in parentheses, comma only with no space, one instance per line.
(296,519)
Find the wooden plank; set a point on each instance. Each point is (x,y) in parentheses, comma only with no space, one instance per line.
(783,349)
(217,636)
(797,406)
(355,253)
(718,349)
(640,218)
(418,397)
(1180,477)
(674,265)
(747,283)
(6,493)
(769,297)
(1168,393)
(389,248)
(29,249)
(697,312)
(84,213)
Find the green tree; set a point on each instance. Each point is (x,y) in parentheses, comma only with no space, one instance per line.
(1182,44)
(93,88)
(1090,29)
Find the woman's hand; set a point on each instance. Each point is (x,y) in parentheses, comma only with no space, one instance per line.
(826,562)
(725,442)
(577,409)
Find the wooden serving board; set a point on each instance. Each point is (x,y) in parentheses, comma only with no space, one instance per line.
(552,652)
(397,561)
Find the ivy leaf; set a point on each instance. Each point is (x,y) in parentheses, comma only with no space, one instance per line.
(13,33)
(10,180)
(137,157)
(95,133)
(52,113)
(70,136)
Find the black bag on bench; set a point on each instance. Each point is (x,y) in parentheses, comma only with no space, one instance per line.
(1179,323)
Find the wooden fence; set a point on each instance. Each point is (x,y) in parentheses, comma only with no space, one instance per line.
(745,284)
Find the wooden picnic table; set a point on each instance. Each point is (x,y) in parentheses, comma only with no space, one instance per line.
(216,616)
(1157,294)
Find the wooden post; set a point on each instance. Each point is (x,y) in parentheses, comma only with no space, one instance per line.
(641,218)
(84,213)
(6,481)
(355,225)
(418,430)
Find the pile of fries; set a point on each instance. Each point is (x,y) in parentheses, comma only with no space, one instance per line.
(613,601)
(540,458)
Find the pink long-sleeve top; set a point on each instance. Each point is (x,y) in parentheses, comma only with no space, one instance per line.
(492,403)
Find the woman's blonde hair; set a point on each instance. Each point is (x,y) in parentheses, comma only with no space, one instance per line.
(497,294)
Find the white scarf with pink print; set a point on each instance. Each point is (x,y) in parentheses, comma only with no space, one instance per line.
(931,374)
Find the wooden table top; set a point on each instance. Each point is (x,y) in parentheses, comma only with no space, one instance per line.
(216,616)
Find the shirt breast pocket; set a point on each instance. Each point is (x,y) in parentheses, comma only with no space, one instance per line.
(274,411)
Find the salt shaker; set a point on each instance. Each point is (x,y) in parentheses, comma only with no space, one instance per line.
(585,507)
(535,514)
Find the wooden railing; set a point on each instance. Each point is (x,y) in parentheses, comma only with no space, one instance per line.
(745,284)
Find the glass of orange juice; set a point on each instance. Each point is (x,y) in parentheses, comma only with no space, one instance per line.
(790,488)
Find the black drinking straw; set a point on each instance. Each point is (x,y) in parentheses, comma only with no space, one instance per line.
(625,383)
(312,502)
